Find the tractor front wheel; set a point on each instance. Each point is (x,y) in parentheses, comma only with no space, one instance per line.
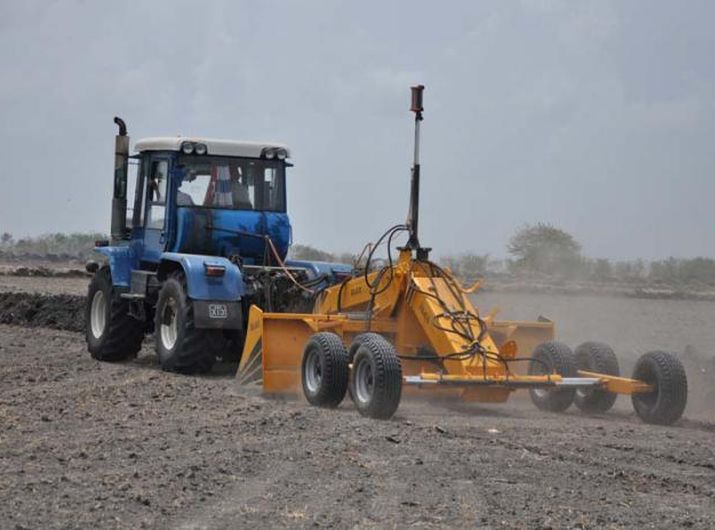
(111,333)
(666,374)
(551,357)
(376,377)
(180,346)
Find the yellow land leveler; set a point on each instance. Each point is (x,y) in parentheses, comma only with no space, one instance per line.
(411,327)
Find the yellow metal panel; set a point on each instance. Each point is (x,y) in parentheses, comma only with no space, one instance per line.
(412,312)
(283,343)
(278,381)
(428,312)
(527,335)
(250,369)
(619,385)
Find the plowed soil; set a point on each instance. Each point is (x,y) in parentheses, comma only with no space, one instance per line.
(96,445)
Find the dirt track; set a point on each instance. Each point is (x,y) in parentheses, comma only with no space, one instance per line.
(86,445)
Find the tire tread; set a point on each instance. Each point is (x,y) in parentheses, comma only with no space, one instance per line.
(335,370)
(596,357)
(125,334)
(195,354)
(672,387)
(387,376)
(559,356)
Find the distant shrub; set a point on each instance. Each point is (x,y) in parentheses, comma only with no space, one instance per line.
(57,245)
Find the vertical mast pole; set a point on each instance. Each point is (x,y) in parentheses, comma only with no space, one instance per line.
(413,216)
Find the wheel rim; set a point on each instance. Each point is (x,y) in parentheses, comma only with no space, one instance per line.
(98,314)
(364,381)
(540,392)
(313,371)
(584,393)
(169,327)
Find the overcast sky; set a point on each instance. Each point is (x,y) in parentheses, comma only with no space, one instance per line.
(596,116)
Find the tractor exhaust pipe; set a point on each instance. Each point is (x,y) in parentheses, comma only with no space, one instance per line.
(413,216)
(119,196)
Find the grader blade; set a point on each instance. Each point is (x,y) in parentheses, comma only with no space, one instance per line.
(250,369)
(273,350)
(526,334)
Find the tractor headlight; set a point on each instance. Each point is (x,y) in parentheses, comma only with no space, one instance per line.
(200,149)
(187,148)
(281,154)
(270,154)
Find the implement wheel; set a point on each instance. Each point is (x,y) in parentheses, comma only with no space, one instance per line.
(324,370)
(111,333)
(596,357)
(558,357)
(376,377)
(665,372)
(180,346)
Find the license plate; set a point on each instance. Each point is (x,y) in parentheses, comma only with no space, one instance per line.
(218,311)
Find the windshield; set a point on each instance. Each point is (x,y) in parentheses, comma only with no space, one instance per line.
(232,183)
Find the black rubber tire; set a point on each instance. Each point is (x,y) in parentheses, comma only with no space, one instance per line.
(358,340)
(195,349)
(559,357)
(386,389)
(328,351)
(665,405)
(596,357)
(228,345)
(123,334)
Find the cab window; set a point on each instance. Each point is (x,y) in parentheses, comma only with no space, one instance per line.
(156,194)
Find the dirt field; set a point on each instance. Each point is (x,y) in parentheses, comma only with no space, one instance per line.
(91,445)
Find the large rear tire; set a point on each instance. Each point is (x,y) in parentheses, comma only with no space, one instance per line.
(666,403)
(553,356)
(376,376)
(596,357)
(111,333)
(180,346)
(324,370)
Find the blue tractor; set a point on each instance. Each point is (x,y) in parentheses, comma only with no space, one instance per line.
(207,237)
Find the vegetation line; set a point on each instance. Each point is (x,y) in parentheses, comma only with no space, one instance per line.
(542,257)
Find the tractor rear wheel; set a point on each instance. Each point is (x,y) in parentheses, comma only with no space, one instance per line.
(376,377)
(596,357)
(111,333)
(552,357)
(180,346)
(666,374)
(324,370)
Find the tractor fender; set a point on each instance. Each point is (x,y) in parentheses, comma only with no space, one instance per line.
(121,261)
(228,287)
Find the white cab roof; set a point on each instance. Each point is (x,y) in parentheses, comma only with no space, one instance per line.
(213,146)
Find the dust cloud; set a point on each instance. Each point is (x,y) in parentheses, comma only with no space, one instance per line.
(631,327)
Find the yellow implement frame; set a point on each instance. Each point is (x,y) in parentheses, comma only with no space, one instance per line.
(416,306)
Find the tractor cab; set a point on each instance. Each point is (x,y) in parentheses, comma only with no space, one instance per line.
(209,197)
